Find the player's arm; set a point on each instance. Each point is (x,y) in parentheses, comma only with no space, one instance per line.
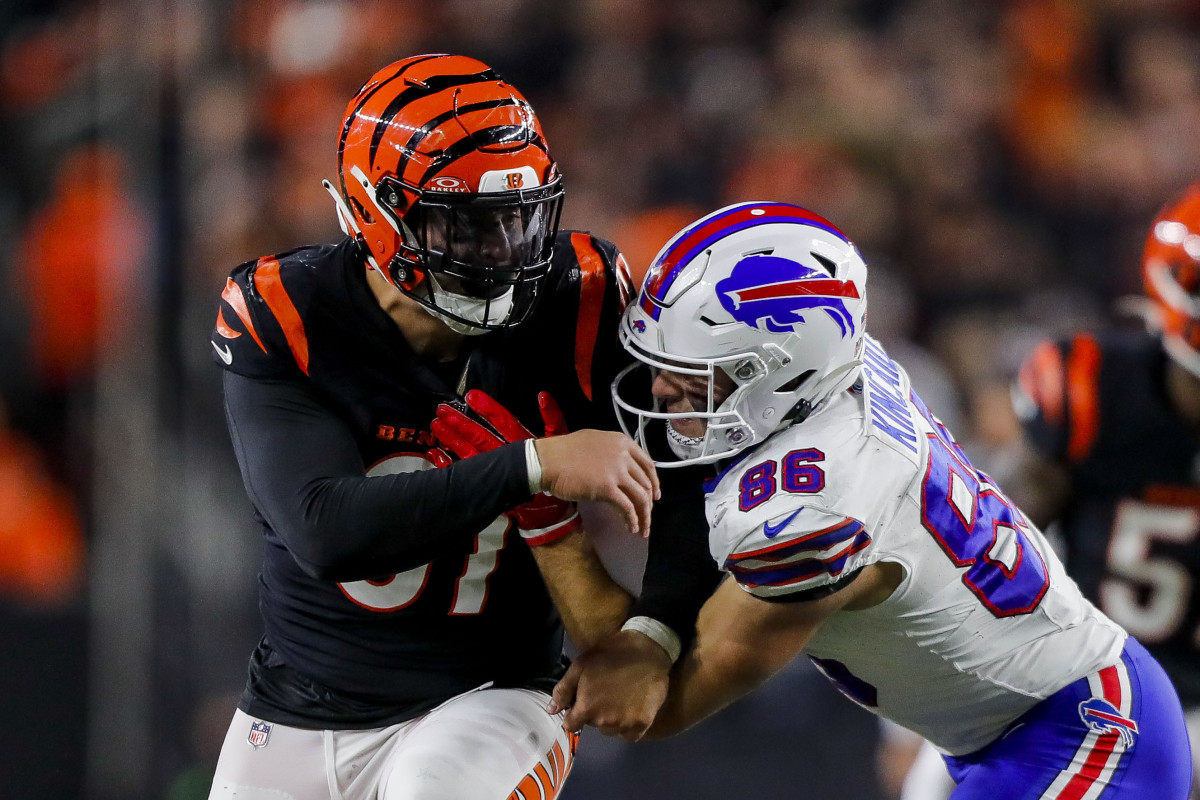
(621,681)
(303,472)
(592,605)
(1039,480)
(589,601)
(1038,485)
(679,575)
(743,640)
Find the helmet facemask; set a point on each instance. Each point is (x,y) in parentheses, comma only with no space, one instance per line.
(725,429)
(476,261)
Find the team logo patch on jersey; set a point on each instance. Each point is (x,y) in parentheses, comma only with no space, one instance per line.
(769,293)
(1102,717)
(259,733)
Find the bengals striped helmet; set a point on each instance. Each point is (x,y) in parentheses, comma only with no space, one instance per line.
(1171,272)
(446,182)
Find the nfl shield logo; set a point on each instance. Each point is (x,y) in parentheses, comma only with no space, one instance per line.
(259,732)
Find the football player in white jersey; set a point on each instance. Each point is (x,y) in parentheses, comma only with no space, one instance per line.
(854,529)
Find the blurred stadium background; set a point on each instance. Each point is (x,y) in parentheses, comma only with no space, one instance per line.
(997,162)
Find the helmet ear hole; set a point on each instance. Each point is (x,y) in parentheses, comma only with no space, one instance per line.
(795,382)
(826,263)
(366,216)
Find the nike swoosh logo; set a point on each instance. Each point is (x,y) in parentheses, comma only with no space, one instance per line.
(224,352)
(771,531)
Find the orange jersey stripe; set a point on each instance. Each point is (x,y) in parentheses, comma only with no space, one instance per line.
(591,301)
(1083,395)
(1042,379)
(270,286)
(223,327)
(233,295)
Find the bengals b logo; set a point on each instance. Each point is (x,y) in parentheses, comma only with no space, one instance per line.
(514,180)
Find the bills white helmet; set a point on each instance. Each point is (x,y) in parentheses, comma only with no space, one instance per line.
(771,294)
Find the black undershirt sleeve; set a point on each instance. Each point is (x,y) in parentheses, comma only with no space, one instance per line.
(680,572)
(304,475)
(816,593)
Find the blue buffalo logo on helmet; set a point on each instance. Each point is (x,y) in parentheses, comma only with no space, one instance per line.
(772,293)
(639,325)
(1103,717)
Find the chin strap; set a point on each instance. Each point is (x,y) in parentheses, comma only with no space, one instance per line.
(461,310)
(453,324)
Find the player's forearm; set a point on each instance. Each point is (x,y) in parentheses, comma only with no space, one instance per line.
(704,682)
(351,528)
(592,605)
(680,573)
(741,642)
(304,473)
(1039,486)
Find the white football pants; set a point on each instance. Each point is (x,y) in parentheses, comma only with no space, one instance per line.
(487,744)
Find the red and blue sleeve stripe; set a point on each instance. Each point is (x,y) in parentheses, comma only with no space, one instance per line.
(800,560)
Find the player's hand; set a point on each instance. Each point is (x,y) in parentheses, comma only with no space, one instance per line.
(617,686)
(601,465)
(544,518)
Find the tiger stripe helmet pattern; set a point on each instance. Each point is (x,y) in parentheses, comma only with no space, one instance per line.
(446,181)
(1171,273)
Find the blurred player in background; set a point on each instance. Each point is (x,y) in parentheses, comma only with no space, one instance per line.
(410,634)
(853,528)
(1112,421)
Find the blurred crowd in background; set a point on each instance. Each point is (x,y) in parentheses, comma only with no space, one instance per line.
(997,163)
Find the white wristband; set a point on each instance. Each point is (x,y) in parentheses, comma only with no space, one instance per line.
(533,466)
(657,631)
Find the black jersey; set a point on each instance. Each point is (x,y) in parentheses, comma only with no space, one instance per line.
(1132,521)
(389,586)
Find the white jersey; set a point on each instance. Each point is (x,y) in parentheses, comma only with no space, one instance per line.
(985,623)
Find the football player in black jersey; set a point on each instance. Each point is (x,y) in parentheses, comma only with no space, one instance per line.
(1113,424)
(410,632)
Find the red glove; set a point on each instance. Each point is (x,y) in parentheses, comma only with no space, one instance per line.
(543,519)
(438,457)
